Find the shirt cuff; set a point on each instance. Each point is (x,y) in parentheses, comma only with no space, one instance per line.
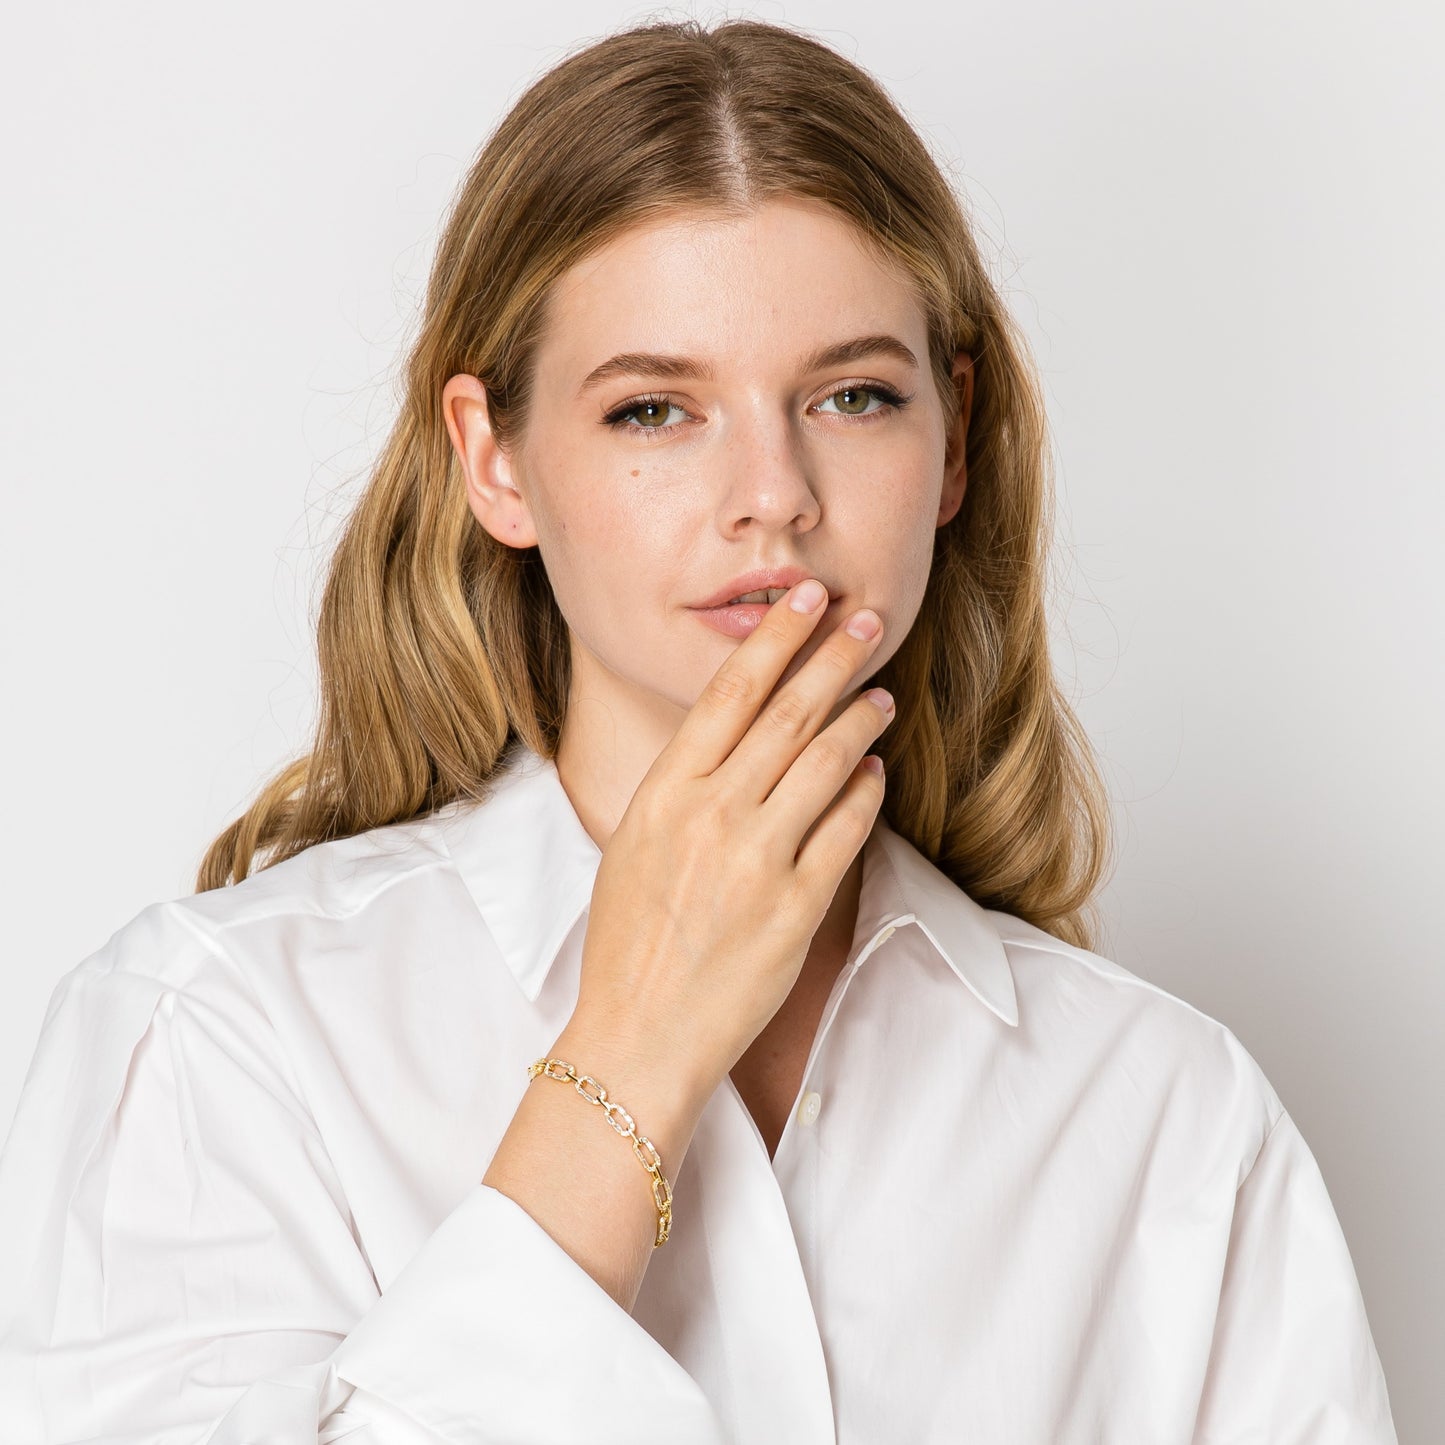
(493,1332)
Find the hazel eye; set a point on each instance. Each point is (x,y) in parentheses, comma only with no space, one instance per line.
(650,413)
(855,400)
(647,413)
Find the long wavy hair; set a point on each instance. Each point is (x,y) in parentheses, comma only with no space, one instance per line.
(438,645)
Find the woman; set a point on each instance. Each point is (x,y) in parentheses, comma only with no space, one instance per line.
(592,835)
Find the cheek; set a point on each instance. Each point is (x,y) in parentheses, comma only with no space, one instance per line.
(609,541)
(900,500)
(898,521)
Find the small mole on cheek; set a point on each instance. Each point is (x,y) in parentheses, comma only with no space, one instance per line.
(636,471)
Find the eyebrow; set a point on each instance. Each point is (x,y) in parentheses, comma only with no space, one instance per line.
(650,363)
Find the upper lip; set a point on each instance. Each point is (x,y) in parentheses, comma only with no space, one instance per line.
(756,581)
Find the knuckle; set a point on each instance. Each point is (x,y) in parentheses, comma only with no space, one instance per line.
(840,660)
(720,816)
(788,716)
(779,632)
(854,828)
(831,756)
(732,687)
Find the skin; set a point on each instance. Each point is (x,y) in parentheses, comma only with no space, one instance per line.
(762,464)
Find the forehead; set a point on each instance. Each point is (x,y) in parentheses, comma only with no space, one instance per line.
(767,285)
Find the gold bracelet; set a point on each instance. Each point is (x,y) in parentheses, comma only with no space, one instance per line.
(642,1146)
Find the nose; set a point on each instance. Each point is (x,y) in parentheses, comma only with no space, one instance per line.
(769,481)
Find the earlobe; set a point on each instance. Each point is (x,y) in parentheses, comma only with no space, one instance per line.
(487,470)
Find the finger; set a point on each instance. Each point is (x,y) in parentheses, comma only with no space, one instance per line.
(799,710)
(730,701)
(839,834)
(826,766)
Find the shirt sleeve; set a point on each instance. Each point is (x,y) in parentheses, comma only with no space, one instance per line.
(179,1265)
(1292,1359)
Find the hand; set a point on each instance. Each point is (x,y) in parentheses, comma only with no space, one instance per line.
(729,854)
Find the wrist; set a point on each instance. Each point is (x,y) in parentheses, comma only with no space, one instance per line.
(664,1097)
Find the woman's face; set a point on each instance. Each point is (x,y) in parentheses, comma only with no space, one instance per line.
(683,432)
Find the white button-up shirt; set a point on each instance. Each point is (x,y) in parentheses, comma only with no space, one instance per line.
(1024,1197)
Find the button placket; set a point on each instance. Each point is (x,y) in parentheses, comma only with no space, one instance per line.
(810,1102)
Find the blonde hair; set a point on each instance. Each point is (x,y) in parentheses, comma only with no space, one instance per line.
(438,645)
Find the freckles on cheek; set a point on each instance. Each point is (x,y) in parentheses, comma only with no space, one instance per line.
(891,500)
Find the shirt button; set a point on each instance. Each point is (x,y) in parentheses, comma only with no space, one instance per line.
(808,1109)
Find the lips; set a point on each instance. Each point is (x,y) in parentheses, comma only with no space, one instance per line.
(755,581)
(763,597)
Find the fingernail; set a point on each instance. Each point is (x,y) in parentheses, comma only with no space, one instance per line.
(880,697)
(807,596)
(863,625)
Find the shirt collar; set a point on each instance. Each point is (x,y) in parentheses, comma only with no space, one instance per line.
(529,865)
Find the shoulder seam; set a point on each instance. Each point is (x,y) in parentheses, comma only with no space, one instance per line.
(216,950)
(187,920)
(300,903)
(1130,979)
(1268,1135)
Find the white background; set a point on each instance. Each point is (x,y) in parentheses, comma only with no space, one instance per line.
(1222,229)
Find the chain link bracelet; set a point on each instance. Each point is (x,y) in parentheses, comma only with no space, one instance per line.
(642,1146)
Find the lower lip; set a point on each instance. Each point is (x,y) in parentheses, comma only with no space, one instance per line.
(738,620)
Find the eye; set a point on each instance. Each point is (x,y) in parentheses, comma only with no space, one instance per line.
(649,414)
(853,399)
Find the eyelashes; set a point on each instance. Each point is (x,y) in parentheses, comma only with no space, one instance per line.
(617,418)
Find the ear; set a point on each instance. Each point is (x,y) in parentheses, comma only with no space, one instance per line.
(955,473)
(492,492)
